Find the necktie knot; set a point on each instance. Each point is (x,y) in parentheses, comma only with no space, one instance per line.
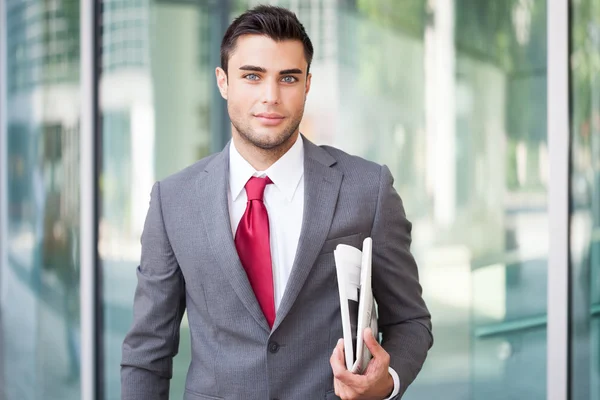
(255,187)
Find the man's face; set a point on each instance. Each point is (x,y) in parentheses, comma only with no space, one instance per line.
(265,88)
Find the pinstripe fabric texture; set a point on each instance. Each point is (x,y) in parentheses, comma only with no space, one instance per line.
(189,262)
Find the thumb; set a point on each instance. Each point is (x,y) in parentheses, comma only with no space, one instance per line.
(372,344)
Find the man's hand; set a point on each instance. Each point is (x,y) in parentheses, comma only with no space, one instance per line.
(375,384)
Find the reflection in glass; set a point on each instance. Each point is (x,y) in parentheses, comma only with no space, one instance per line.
(39,292)
(585,200)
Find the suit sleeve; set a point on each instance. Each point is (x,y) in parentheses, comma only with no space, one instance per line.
(404,321)
(159,304)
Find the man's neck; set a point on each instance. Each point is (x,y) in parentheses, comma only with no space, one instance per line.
(262,159)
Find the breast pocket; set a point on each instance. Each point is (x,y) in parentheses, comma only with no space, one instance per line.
(191,395)
(354,240)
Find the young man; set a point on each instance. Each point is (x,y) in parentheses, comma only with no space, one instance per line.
(244,241)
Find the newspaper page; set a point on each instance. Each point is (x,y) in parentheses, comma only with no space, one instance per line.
(358,311)
(366,310)
(348,264)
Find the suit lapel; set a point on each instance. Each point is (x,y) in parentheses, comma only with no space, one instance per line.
(321,189)
(212,189)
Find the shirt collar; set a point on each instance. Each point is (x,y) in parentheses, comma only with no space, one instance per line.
(285,172)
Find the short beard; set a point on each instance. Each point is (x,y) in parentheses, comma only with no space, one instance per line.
(248,135)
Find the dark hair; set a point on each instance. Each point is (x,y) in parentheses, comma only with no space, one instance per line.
(276,23)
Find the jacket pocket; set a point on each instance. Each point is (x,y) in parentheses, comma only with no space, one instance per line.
(191,395)
(351,240)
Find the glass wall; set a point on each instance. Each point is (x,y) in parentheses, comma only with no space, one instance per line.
(585,200)
(451,95)
(160,111)
(39,267)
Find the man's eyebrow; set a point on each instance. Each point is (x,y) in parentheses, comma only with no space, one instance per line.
(253,68)
(290,71)
(263,70)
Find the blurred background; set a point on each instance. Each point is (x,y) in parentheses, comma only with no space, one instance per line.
(450,94)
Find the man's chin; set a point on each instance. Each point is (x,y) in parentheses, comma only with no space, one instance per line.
(267,145)
(268,141)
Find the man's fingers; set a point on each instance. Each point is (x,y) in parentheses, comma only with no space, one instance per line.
(340,346)
(337,362)
(340,372)
(337,359)
(337,386)
(339,369)
(350,380)
(338,353)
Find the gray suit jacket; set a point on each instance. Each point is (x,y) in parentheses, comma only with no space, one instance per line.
(189,261)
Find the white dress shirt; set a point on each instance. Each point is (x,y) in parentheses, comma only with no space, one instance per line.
(284,200)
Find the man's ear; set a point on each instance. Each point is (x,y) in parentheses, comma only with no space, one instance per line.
(221,81)
(308,79)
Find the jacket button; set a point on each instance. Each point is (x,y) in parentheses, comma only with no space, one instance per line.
(273,347)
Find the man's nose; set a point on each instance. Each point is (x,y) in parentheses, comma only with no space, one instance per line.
(271,93)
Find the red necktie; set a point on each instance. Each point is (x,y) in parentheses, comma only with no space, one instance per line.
(253,246)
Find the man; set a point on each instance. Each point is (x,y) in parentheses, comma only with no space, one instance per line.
(244,240)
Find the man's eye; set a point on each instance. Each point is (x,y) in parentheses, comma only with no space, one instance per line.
(251,77)
(289,79)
